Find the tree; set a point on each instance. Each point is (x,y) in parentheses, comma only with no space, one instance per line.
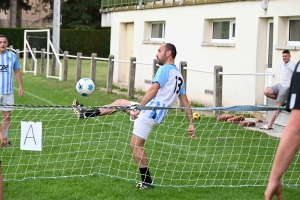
(79,14)
(16,9)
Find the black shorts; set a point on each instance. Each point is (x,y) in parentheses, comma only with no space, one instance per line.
(293,101)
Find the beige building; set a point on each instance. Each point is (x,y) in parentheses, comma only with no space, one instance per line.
(30,19)
(245,37)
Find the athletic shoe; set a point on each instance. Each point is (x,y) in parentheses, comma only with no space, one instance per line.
(9,143)
(143,185)
(78,110)
(76,104)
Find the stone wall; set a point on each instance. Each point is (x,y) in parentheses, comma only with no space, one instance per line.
(4,23)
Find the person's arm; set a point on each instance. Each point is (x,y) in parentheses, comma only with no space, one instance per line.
(19,80)
(189,114)
(287,149)
(150,94)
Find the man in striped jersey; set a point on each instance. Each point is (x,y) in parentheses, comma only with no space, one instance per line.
(8,64)
(167,85)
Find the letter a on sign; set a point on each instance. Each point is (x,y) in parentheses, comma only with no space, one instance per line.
(31,136)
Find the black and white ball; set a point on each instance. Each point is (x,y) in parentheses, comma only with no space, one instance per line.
(85,87)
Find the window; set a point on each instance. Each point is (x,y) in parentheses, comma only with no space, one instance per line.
(157,31)
(294,31)
(223,30)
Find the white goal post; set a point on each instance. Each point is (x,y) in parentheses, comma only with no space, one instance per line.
(49,46)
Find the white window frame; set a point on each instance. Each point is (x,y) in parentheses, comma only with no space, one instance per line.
(163,31)
(231,37)
(288,32)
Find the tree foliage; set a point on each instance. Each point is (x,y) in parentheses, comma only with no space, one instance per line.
(22,4)
(79,14)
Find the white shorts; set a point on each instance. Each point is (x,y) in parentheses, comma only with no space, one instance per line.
(6,99)
(143,126)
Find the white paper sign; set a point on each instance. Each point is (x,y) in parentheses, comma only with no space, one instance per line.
(31,136)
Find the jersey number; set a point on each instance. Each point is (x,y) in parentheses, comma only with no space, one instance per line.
(178,84)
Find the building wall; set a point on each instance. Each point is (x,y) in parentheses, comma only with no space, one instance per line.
(186,27)
(30,19)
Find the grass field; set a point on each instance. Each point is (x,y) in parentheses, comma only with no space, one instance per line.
(91,159)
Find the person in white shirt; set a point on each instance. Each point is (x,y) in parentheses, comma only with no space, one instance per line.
(167,85)
(279,92)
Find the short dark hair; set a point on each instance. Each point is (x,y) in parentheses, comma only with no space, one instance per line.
(172,48)
(3,36)
(286,51)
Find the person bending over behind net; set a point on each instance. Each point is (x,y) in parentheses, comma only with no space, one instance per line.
(167,85)
(290,141)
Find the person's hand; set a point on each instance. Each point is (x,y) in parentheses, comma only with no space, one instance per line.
(3,140)
(21,91)
(274,189)
(192,132)
(134,114)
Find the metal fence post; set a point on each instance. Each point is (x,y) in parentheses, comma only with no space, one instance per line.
(66,66)
(93,67)
(78,68)
(130,93)
(110,73)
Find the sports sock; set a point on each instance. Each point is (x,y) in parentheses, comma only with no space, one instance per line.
(6,133)
(92,113)
(145,175)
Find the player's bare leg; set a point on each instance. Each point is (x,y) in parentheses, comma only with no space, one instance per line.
(118,102)
(140,157)
(270,93)
(274,115)
(6,123)
(137,147)
(81,113)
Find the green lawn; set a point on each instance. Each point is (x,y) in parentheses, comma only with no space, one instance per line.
(91,159)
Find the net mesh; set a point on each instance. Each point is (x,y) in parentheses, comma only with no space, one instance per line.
(226,154)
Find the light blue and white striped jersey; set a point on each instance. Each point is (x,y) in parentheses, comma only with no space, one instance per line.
(8,63)
(171,86)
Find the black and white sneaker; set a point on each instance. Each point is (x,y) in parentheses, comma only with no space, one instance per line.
(78,110)
(143,185)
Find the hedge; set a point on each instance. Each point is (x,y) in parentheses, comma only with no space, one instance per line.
(73,41)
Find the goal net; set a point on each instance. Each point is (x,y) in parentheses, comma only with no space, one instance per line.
(226,154)
(40,56)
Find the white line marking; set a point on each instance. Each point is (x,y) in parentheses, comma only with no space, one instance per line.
(45,100)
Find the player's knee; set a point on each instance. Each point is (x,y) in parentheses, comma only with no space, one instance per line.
(136,143)
(132,145)
(266,92)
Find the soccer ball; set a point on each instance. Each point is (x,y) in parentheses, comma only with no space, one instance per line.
(196,116)
(85,87)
